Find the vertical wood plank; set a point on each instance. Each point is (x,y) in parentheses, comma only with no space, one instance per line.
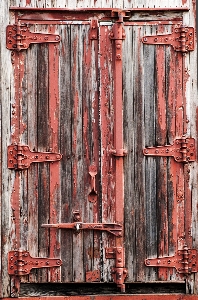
(43,145)
(106,121)
(77,146)
(54,112)
(66,150)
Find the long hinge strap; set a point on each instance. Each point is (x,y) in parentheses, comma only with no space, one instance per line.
(183,150)
(20,157)
(181,39)
(184,261)
(21,263)
(19,37)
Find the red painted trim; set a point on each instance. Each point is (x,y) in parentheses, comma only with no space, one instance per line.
(115,297)
(100,9)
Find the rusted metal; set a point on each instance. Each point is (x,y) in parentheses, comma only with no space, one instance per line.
(113,228)
(183,150)
(184,261)
(21,262)
(20,157)
(181,39)
(93,276)
(19,37)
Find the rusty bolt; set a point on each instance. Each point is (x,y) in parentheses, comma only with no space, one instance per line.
(46,38)
(11,267)
(111,34)
(47,156)
(11,161)
(47,262)
(123,35)
(145,39)
(25,148)
(57,38)
(25,270)
(13,112)
(93,36)
(156,151)
(118,46)
(58,262)
(148,262)
(155,39)
(146,151)
(119,260)
(35,37)
(36,156)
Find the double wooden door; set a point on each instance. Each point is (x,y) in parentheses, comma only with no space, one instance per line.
(89,201)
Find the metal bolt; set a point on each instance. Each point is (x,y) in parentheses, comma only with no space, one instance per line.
(57,38)
(11,267)
(145,39)
(47,156)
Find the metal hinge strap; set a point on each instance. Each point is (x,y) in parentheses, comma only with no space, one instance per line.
(184,261)
(181,39)
(183,150)
(19,37)
(20,157)
(21,263)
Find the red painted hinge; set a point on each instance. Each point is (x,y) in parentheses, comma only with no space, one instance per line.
(184,261)
(19,37)
(21,263)
(183,150)
(20,157)
(181,39)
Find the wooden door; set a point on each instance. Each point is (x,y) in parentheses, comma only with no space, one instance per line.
(89,204)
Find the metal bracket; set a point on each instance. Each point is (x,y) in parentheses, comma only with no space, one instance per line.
(21,263)
(119,152)
(20,157)
(93,276)
(119,272)
(184,261)
(183,150)
(113,228)
(19,37)
(93,33)
(181,39)
(93,194)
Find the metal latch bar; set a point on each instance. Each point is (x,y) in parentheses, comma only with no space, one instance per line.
(181,39)
(21,263)
(20,157)
(19,37)
(113,228)
(183,150)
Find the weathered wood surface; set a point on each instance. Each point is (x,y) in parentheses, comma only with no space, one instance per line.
(150,198)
